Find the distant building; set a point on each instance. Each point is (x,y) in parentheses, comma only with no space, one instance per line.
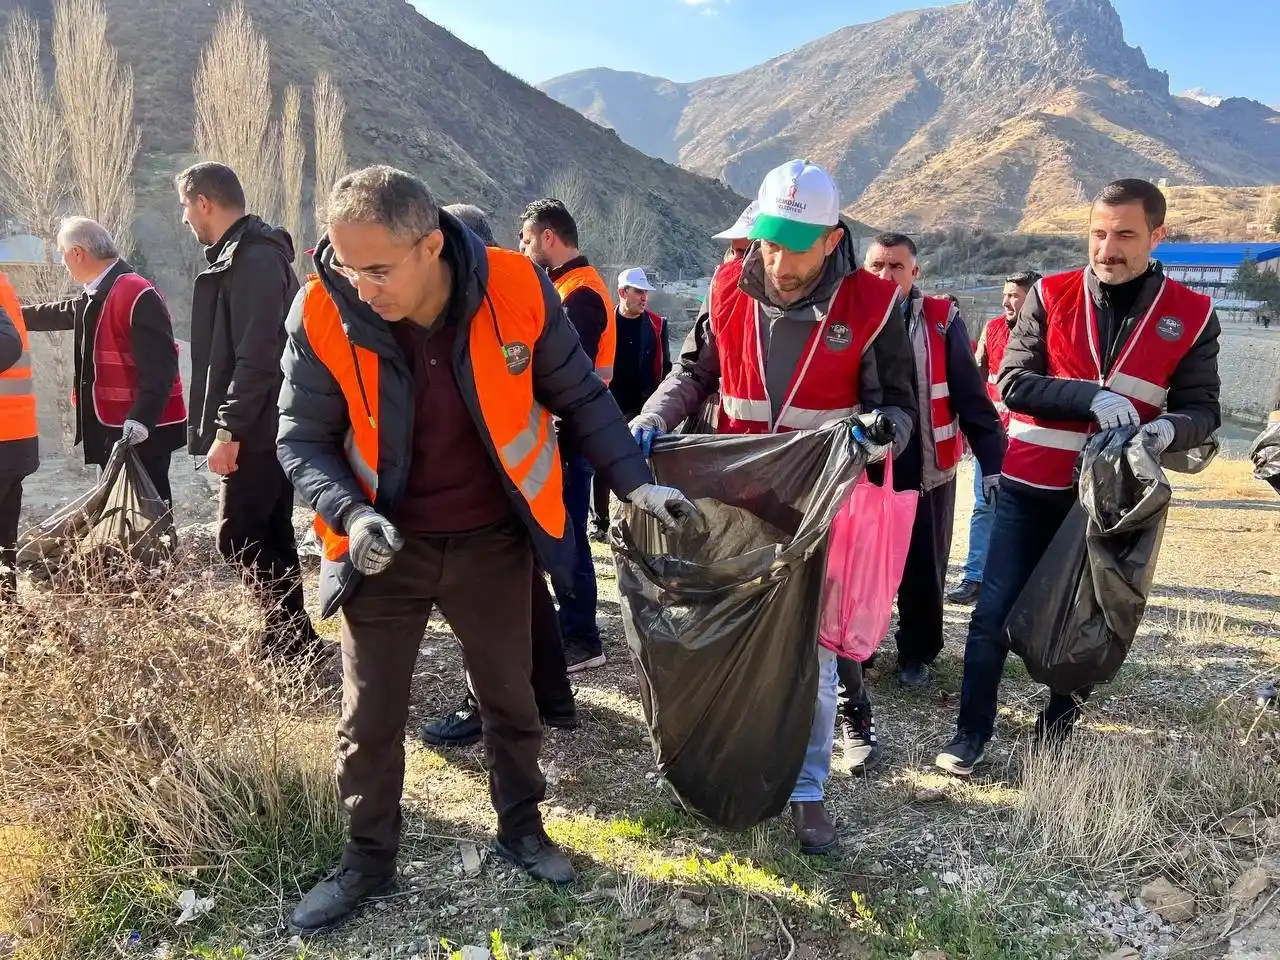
(23,250)
(1211,268)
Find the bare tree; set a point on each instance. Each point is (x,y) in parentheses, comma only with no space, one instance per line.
(572,187)
(331,154)
(292,157)
(233,108)
(96,96)
(631,233)
(33,142)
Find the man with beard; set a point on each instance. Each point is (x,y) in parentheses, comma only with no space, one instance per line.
(1112,345)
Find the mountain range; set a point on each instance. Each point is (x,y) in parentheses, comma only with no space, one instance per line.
(994,113)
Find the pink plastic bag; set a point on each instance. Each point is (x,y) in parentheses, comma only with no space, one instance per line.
(866,555)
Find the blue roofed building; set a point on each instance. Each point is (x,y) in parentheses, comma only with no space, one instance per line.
(1211,267)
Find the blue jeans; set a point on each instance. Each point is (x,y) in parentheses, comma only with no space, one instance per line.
(979,530)
(578,612)
(822,735)
(1022,529)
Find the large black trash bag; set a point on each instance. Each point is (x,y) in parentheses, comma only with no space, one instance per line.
(122,516)
(722,622)
(1076,618)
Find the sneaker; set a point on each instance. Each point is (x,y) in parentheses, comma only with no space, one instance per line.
(600,534)
(913,676)
(966,594)
(961,755)
(563,717)
(336,897)
(538,856)
(459,729)
(580,656)
(860,728)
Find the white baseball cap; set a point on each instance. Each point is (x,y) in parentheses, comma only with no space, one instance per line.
(798,201)
(742,226)
(634,278)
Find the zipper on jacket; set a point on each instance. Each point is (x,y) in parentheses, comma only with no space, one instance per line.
(364,396)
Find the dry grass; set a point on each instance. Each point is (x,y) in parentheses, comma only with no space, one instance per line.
(144,750)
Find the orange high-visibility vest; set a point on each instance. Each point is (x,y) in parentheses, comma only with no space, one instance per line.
(515,426)
(17,387)
(587,276)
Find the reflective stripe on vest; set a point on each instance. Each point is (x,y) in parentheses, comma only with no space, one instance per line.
(824,386)
(589,277)
(17,386)
(995,340)
(1043,453)
(115,372)
(936,316)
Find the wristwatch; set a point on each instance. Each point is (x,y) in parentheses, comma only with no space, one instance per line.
(223,436)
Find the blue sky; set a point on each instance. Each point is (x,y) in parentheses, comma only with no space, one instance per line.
(1198,43)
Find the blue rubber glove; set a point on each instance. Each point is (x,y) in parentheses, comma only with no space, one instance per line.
(646,428)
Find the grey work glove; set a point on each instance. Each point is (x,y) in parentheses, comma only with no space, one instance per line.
(373,540)
(873,433)
(1112,410)
(646,428)
(134,433)
(667,505)
(1265,454)
(989,487)
(1158,435)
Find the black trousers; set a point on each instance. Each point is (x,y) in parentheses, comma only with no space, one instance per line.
(156,460)
(481,582)
(921,595)
(10,509)
(255,530)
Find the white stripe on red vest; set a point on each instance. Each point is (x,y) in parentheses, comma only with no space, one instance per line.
(115,372)
(1043,453)
(824,386)
(995,339)
(946,430)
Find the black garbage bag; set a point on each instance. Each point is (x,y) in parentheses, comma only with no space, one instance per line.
(722,622)
(1077,616)
(704,419)
(121,517)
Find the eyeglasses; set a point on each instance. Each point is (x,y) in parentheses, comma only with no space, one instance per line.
(379,278)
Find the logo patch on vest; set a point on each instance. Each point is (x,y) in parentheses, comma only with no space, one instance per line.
(1169,328)
(518,357)
(838,336)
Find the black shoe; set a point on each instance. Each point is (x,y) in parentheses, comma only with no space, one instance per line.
(1052,733)
(579,656)
(562,717)
(537,856)
(459,729)
(600,534)
(961,755)
(860,727)
(966,593)
(913,676)
(336,897)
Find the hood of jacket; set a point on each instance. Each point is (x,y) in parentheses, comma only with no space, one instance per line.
(249,229)
(842,262)
(463,251)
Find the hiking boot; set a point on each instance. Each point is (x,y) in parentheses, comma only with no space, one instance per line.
(966,594)
(860,728)
(336,897)
(961,755)
(537,856)
(914,676)
(580,656)
(460,728)
(815,832)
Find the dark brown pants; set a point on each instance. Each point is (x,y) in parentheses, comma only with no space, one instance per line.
(481,584)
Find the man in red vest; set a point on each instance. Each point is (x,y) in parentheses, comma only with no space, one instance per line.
(952,400)
(1114,344)
(797,337)
(126,361)
(989,351)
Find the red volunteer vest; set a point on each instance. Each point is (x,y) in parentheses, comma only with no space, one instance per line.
(655,322)
(946,428)
(996,339)
(115,379)
(824,386)
(1042,453)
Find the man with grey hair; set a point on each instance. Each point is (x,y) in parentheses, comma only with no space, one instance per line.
(421,375)
(475,220)
(126,381)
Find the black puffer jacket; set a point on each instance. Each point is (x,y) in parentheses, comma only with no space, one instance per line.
(237,336)
(314,417)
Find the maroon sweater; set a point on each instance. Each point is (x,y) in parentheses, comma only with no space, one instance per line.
(454,485)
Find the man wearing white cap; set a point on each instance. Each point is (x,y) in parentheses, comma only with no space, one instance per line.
(739,235)
(642,357)
(797,337)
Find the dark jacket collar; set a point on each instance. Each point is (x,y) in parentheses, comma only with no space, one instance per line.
(574,264)
(248,229)
(1150,287)
(464,252)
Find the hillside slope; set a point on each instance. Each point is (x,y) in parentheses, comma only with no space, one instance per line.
(988,113)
